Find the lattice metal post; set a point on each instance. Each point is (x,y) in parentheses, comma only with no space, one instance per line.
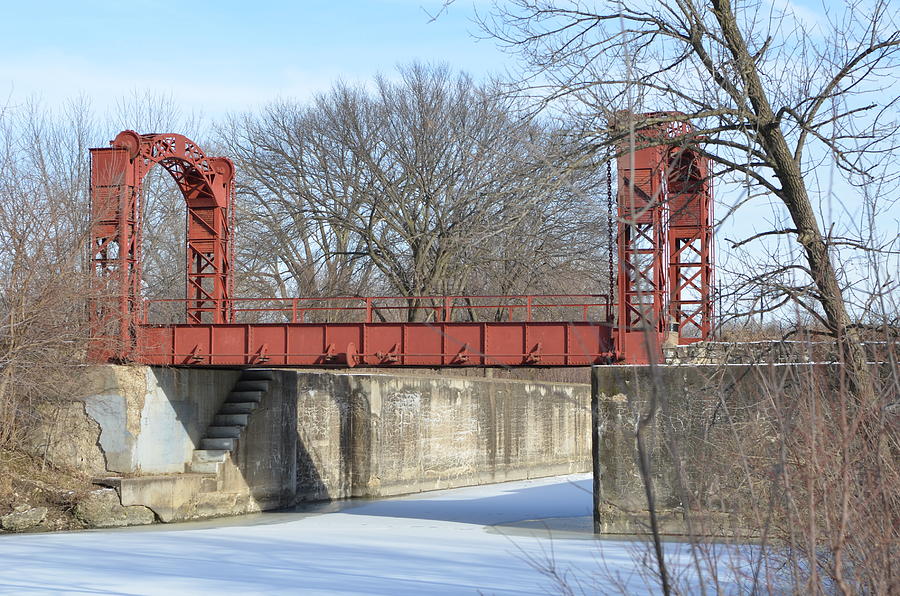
(690,238)
(665,240)
(641,239)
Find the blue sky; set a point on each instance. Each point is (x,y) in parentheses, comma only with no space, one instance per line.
(225,55)
(234,55)
(211,58)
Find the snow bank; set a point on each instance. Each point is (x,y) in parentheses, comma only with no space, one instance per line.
(434,543)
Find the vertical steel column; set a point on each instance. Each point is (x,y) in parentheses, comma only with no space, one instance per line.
(207,272)
(115,253)
(641,239)
(690,238)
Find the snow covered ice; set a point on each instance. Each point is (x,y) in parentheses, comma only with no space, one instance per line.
(443,542)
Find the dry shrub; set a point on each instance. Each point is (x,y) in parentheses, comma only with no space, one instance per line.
(43,336)
(837,483)
(807,470)
(44,284)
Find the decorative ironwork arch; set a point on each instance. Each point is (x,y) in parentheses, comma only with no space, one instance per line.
(207,184)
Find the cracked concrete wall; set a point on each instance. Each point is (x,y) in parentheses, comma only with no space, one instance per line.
(621,397)
(134,419)
(695,461)
(331,434)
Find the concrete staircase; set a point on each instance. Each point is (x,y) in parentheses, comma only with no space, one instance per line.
(210,485)
(222,436)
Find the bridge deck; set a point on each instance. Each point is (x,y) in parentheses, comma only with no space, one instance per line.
(281,333)
(507,343)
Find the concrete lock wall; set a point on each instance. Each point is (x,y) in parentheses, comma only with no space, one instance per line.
(621,396)
(135,419)
(691,442)
(315,435)
(369,435)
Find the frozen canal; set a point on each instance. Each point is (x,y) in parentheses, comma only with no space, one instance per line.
(446,542)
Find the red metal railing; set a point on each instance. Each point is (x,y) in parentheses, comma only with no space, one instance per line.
(542,330)
(391,309)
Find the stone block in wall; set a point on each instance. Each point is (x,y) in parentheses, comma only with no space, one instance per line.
(102,509)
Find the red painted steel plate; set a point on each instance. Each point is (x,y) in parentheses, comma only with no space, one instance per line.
(378,344)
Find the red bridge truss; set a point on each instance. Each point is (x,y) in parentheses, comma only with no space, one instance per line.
(664,284)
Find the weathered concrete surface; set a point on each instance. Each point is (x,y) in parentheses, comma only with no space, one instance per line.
(68,438)
(151,418)
(264,465)
(369,435)
(259,474)
(171,497)
(320,435)
(694,461)
(133,419)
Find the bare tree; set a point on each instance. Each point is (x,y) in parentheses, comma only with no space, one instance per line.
(799,110)
(44,287)
(430,184)
(772,97)
(288,165)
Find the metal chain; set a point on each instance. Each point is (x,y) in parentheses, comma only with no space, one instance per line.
(609,221)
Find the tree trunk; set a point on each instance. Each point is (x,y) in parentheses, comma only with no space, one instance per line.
(795,197)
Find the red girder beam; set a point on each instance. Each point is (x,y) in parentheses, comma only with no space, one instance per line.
(484,344)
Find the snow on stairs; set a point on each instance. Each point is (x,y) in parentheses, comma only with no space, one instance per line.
(223,434)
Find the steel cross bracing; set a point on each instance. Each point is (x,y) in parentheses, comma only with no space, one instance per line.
(663,285)
(665,266)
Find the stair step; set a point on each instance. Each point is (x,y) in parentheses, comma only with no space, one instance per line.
(224,432)
(218,443)
(209,455)
(251,374)
(206,467)
(236,396)
(238,407)
(231,419)
(249,385)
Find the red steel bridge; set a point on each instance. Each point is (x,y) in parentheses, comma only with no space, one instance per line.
(663,283)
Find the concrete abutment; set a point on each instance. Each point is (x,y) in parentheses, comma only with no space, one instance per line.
(315,435)
(714,439)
